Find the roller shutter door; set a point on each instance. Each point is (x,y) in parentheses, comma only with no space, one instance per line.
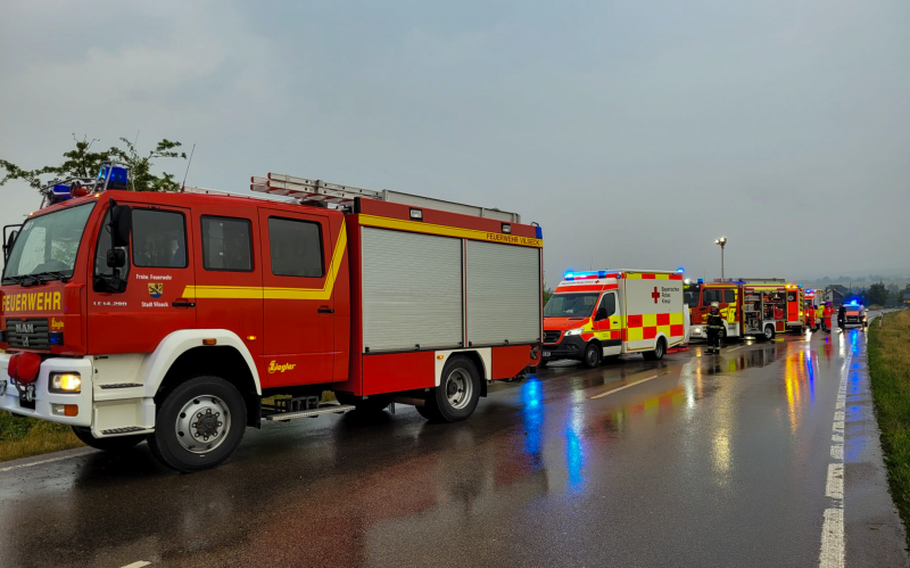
(412,291)
(503,294)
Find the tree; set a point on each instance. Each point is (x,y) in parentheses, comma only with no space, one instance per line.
(82,162)
(878,294)
(547,293)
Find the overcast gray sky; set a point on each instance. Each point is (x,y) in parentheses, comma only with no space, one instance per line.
(634,132)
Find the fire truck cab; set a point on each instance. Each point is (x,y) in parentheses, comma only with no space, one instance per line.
(172,316)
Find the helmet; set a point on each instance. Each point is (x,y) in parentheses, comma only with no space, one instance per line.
(715,304)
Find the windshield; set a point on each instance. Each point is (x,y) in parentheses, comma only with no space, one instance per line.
(571,305)
(48,244)
(691,296)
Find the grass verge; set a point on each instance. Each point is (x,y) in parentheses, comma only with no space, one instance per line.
(21,437)
(889,368)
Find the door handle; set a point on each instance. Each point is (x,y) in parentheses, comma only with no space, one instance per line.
(325,310)
(183,304)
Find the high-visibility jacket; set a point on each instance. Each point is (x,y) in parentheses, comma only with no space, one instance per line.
(820,312)
(715,321)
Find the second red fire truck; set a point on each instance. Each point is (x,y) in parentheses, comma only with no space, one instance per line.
(171,317)
(754,307)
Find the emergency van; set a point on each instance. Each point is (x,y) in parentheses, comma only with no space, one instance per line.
(609,313)
(172,317)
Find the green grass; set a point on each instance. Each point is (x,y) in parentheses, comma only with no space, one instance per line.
(22,437)
(889,367)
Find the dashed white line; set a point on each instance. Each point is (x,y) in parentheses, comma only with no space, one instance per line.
(137,564)
(42,462)
(603,394)
(832,554)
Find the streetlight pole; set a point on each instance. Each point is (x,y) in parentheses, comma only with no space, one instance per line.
(722,242)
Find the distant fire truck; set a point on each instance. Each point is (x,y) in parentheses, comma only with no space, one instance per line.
(749,307)
(810,310)
(171,316)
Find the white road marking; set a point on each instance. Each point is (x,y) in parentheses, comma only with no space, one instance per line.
(603,394)
(137,564)
(734,349)
(833,549)
(42,462)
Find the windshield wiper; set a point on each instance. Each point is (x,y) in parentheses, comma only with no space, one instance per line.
(52,275)
(21,280)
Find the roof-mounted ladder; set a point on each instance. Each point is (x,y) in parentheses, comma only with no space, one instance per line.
(318,192)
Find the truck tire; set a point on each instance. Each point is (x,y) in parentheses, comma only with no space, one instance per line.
(660,349)
(769,332)
(458,392)
(365,405)
(199,424)
(593,355)
(114,444)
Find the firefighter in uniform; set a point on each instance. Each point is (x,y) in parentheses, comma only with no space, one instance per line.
(715,327)
(820,317)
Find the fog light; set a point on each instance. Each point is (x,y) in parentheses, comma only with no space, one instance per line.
(55,338)
(65,409)
(65,383)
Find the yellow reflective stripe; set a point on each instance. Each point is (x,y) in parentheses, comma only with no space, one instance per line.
(276,293)
(447,231)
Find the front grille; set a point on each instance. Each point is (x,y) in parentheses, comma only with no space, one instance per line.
(31,333)
(551,336)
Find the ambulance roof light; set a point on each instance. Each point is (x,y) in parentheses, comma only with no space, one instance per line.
(681,270)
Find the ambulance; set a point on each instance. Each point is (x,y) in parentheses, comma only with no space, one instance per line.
(605,314)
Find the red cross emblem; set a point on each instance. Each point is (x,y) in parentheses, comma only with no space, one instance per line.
(655,295)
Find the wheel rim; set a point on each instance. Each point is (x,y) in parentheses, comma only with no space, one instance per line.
(459,389)
(203,424)
(659,351)
(769,333)
(592,356)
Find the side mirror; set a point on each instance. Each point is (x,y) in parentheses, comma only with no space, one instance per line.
(8,245)
(116,258)
(121,225)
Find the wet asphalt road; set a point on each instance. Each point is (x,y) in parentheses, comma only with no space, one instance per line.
(702,461)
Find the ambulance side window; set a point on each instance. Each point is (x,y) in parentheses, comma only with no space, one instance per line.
(729,296)
(226,244)
(296,248)
(607,307)
(104,244)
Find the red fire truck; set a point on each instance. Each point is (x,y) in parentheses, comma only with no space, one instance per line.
(754,307)
(796,315)
(169,317)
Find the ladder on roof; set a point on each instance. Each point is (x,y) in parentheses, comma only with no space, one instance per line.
(318,192)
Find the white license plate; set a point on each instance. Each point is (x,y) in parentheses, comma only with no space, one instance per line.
(547,353)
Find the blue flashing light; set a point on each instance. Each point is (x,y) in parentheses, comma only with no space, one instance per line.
(681,270)
(55,338)
(585,275)
(701,280)
(60,192)
(569,276)
(853,303)
(116,177)
(538,230)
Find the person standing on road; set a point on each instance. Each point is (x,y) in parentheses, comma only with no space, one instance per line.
(829,311)
(715,327)
(820,317)
(842,316)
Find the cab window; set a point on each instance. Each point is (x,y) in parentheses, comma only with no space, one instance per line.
(296,248)
(104,245)
(729,296)
(607,307)
(159,239)
(226,244)
(713,296)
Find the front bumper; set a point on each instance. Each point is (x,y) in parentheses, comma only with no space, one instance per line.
(571,347)
(45,399)
(698,331)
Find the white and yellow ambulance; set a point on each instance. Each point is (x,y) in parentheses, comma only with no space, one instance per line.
(608,313)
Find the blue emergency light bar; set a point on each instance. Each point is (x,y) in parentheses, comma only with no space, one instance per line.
(116,176)
(60,192)
(585,275)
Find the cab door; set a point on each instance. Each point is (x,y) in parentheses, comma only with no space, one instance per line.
(728,303)
(607,326)
(158,271)
(298,301)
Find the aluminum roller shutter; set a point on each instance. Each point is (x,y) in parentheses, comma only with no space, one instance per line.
(504,294)
(412,291)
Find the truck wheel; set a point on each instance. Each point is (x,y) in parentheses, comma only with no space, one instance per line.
(593,355)
(114,444)
(368,405)
(659,351)
(769,332)
(458,392)
(199,424)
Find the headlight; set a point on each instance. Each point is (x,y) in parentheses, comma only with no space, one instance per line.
(697,330)
(576,331)
(65,383)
